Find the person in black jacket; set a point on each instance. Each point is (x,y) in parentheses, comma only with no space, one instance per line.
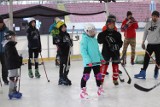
(64,44)
(13,62)
(34,47)
(111,40)
(3,29)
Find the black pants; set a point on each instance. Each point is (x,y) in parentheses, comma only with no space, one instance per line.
(4,69)
(64,67)
(31,53)
(152,48)
(87,70)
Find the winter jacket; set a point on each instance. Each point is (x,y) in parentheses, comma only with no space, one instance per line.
(152,32)
(129,31)
(90,50)
(33,36)
(2,31)
(13,60)
(64,43)
(116,40)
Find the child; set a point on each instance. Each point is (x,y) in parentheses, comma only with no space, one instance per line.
(34,47)
(54,31)
(91,59)
(13,62)
(64,43)
(111,40)
(103,29)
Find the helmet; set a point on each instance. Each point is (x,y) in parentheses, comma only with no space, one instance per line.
(9,34)
(31,19)
(89,27)
(59,24)
(110,20)
(112,16)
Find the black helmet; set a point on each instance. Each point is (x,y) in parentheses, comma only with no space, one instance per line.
(110,20)
(155,13)
(8,34)
(112,16)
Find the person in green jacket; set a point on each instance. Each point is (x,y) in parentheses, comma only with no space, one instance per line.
(92,59)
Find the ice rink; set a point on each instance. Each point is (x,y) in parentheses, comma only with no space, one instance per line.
(40,93)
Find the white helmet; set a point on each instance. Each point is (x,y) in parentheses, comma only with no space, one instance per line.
(31,19)
(89,27)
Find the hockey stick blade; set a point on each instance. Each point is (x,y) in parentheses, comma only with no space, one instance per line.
(129,81)
(145,89)
(121,80)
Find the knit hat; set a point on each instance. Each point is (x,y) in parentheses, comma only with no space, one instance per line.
(9,34)
(129,13)
(155,13)
(59,24)
(1,19)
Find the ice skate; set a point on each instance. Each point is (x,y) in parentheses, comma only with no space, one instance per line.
(141,75)
(100,91)
(115,82)
(30,73)
(84,94)
(37,75)
(60,82)
(68,81)
(16,95)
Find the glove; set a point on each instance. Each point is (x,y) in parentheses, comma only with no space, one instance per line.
(143,46)
(21,60)
(103,62)
(90,64)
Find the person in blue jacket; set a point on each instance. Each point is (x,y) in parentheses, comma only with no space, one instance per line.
(92,59)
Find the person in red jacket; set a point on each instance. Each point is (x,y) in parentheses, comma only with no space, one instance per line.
(129,26)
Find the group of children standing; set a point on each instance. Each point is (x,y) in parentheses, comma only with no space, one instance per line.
(110,38)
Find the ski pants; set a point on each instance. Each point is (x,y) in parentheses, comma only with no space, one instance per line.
(4,69)
(30,60)
(13,78)
(64,66)
(86,75)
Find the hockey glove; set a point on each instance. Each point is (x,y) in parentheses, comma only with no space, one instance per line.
(90,65)
(103,62)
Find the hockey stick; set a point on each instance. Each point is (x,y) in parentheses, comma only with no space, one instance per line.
(129,81)
(44,68)
(152,59)
(1,91)
(19,84)
(145,89)
(68,58)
